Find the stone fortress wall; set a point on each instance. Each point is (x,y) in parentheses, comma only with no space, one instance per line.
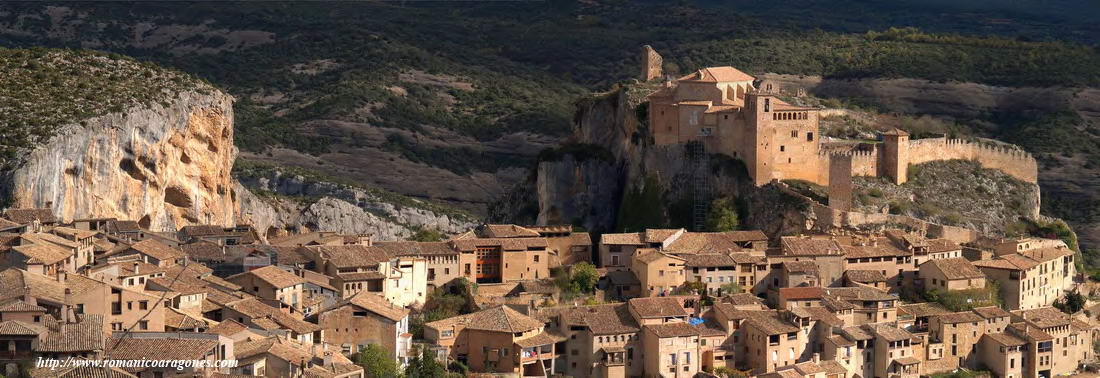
(1017,163)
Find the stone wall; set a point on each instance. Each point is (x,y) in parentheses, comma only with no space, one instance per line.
(864,163)
(1017,163)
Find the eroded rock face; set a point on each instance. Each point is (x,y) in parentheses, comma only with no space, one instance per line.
(299,205)
(164,165)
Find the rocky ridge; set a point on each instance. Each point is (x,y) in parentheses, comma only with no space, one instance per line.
(277,202)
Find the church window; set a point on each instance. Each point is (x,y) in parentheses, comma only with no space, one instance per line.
(794,133)
(810,137)
(767,104)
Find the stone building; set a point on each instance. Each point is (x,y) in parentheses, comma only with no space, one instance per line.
(1031,278)
(365,319)
(726,110)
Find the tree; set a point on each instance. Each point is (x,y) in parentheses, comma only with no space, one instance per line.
(732,288)
(1071,303)
(377,362)
(424,365)
(722,215)
(584,277)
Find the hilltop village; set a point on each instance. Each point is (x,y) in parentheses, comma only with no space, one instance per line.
(859,296)
(667,302)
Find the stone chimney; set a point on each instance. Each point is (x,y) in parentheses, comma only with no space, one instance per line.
(137,267)
(817,358)
(62,276)
(327,358)
(67,314)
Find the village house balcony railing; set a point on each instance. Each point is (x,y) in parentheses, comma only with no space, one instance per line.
(546,353)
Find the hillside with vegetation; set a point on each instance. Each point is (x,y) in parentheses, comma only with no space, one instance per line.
(44,89)
(454,104)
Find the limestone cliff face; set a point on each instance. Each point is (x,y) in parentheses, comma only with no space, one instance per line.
(290,203)
(166,165)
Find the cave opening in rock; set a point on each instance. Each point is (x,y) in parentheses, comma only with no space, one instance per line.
(128,166)
(177,196)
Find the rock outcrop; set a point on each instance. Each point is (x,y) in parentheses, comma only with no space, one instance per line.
(277,203)
(166,165)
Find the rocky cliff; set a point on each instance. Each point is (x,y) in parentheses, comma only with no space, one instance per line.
(610,176)
(166,164)
(278,201)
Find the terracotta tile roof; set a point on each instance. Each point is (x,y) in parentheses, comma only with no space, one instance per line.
(673,329)
(841,341)
(19,328)
(1043,255)
(801,293)
(19,305)
(923,309)
(658,307)
(730,311)
(881,247)
(24,216)
(895,131)
(906,361)
(805,246)
(802,267)
(508,231)
(609,319)
(747,258)
(14,283)
(378,305)
(580,238)
(227,328)
(996,264)
(43,253)
(4,223)
(824,315)
(507,244)
(713,242)
(79,372)
(959,317)
(272,276)
(406,248)
(942,245)
(260,313)
(859,293)
(856,333)
(350,256)
(651,255)
(168,348)
(177,320)
(717,75)
(770,323)
(956,268)
(659,235)
(206,251)
(991,312)
(742,299)
(274,346)
(784,373)
(84,335)
(119,226)
(73,232)
(496,319)
(888,332)
(1027,332)
(633,238)
(865,276)
(157,250)
(1005,339)
(542,338)
(709,260)
(1044,317)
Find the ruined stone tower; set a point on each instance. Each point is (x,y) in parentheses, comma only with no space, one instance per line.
(652,64)
(840,182)
(896,155)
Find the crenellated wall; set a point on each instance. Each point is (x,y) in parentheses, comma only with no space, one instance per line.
(864,163)
(1017,163)
(1014,162)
